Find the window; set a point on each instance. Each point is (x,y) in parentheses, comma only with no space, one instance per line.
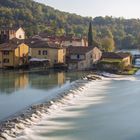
(5,60)
(78,56)
(6,53)
(45,52)
(20,36)
(39,52)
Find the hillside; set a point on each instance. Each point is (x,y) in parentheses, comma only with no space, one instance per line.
(36,17)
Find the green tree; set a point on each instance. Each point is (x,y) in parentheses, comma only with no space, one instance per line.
(90,35)
(108,44)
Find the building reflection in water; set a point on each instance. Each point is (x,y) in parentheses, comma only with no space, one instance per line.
(22,81)
(61,78)
(48,81)
(12,82)
(43,80)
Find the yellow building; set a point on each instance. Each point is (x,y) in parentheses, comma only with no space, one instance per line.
(13,54)
(41,50)
(111,57)
(115,61)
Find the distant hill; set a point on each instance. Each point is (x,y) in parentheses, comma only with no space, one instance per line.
(36,17)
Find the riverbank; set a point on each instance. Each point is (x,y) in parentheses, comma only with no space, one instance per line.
(132,71)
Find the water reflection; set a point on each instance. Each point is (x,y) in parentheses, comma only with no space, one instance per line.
(12,82)
(20,90)
(47,81)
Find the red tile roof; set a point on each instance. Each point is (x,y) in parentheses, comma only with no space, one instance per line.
(78,50)
(113,55)
(11,45)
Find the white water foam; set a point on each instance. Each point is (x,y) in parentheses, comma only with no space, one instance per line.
(69,105)
(78,99)
(109,76)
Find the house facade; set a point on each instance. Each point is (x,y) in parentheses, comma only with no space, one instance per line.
(116,61)
(13,55)
(81,58)
(7,34)
(42,50)
(120,56)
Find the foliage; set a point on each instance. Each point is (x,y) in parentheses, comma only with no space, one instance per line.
(131,71)
(124,32)
(35,17)
(108,44)
(90,35)
(109,33)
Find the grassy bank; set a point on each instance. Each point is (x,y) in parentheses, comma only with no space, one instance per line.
(132,71)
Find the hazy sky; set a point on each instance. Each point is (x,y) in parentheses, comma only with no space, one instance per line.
(115,8)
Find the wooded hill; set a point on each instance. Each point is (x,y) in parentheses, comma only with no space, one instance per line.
(36,17)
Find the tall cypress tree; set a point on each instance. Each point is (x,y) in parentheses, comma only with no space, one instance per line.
(90,35)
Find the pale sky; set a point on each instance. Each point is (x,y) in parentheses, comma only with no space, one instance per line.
(93,8)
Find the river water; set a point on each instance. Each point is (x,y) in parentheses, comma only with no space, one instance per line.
(103,110)
(20,90)
(106,109)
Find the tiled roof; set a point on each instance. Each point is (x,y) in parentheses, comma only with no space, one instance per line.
(17,41)
(60,38)
(8,46)
(11,45)
(39,43)
(78,50)
(33,41)
(113,55)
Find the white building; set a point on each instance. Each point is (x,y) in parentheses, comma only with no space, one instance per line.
(81,58)
(7,34)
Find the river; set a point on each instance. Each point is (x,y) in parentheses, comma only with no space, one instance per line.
(103,110)
(106,109)
(19,90)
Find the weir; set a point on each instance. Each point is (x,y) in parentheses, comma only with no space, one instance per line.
(14,126)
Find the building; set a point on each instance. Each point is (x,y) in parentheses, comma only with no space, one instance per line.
(74,41)
(120,56)
(13,54)
(64,40)
(7,34)
(81,58)
(115,61)
(42,50)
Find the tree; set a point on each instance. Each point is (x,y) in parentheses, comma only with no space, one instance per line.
(108,44)
(90,35)
(128,41)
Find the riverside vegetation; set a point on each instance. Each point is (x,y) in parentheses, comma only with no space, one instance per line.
(109,33)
